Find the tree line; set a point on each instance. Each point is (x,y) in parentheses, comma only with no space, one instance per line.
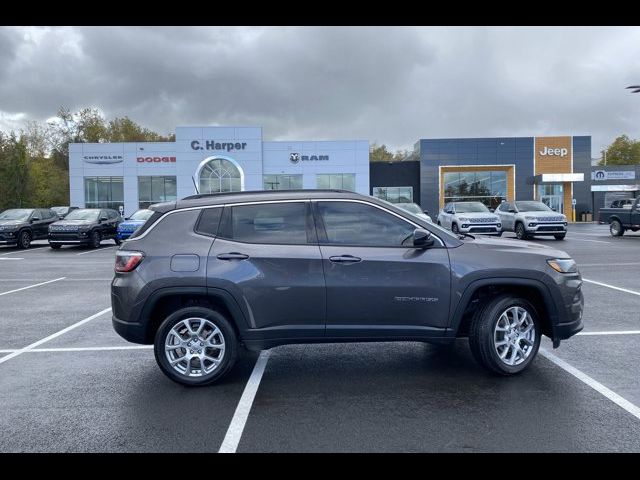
(623,151)
(34,161)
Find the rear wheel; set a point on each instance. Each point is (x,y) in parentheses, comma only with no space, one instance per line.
(616,228)
(560,236)
(54,246)
(24,239)
(521,233)
(505,334)
(195,346)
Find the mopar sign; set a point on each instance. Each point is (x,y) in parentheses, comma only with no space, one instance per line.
(613,175)
(296,157)
(103,159)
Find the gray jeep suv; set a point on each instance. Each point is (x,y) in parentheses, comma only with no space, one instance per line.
(205,275)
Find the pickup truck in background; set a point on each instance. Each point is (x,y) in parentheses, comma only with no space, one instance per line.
(621,219)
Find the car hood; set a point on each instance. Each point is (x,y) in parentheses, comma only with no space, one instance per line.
(131,224)
(514,246)
(11,223)
(546,216)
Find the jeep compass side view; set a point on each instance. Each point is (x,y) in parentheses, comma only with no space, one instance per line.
(207,274)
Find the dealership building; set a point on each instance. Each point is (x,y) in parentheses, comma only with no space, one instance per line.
(209,160)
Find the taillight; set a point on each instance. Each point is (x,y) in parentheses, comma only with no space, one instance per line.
(127,261)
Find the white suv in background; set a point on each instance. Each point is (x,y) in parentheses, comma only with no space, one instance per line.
(469,217)
(528,218)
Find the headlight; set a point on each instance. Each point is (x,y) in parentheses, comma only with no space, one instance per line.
(83,229)
(530,218)
(563,265)
(463,219)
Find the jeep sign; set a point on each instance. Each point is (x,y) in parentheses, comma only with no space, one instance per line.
(213,145)
(558,152)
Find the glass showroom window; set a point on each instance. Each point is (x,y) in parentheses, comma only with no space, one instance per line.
(488,187)
(282,182)
(220,175)
(155,189)
(103,192)
(394,194)
(342,181)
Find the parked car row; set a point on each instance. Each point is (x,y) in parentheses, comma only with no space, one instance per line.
(67,226)
(524,218)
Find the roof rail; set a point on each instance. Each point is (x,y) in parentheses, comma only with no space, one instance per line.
(207,195)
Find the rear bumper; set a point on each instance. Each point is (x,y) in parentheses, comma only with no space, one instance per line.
(132,332)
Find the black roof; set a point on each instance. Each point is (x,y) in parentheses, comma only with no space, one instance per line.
(252,196)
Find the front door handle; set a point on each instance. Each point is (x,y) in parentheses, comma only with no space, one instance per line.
(232,256)
(345,259)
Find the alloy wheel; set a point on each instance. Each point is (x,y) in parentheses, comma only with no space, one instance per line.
(194,347)
(514,335)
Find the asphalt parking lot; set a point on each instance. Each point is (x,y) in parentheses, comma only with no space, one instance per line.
(69,383)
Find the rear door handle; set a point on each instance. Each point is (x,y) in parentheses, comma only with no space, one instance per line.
(232,256)
(345,259)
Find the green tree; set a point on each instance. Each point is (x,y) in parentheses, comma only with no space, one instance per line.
(13,171)
(380,153)
(623,151)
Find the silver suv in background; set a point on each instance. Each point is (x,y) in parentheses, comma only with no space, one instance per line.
(414,209)
(469,217)
(531,218)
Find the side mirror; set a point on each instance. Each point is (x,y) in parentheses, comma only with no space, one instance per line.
(511,210)
(422,238)
(426,212)
(492,210)
(34,219)
(104,219)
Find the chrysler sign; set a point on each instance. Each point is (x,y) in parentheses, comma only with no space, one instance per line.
(103,159)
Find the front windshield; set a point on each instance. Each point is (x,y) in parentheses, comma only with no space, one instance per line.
(409,207)
(81,214)
(142,215)
(20,214)
(532,207)
(59,210)
(471,207)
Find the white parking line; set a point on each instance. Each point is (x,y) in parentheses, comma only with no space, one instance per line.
(584,240)
(614,332)
(23,251)
(96,250)
(12,258)
(608,264)
(55,335)
(236,427)
(80,349)
(632,292)
(32,286)
(597,386)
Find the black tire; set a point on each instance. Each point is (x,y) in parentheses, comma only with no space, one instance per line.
(499,234)
(55,246)
(481,334)
(521,233)
(560,236)
(24,239)
(117,240)
(616,228)
(454,228)
(230,341)
(95,239)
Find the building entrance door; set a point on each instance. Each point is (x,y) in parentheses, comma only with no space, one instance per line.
(552,195)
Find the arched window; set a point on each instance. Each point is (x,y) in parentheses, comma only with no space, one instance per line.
(218,174)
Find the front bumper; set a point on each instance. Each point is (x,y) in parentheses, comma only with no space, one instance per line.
(7,238)
(554,228)
(68,239)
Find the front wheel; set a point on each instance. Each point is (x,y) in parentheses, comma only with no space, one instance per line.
(560,236)
(499,234)
(195,346)
(505,334)
(95,238)
(616,228)
(521,233)
(55,246)
(454,228)
(24,240)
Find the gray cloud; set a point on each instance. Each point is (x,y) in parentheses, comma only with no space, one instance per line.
(391,85)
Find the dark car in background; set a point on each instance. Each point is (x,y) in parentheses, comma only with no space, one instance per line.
(85,226)
(19,226)
(132,223)
(622,218)
(63,211)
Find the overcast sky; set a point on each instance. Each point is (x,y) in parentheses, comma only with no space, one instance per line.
(386,85)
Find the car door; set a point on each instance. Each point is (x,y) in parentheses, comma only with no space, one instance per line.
(39,224)
(507,218)
(266,255)
(446,216)
(376,287)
